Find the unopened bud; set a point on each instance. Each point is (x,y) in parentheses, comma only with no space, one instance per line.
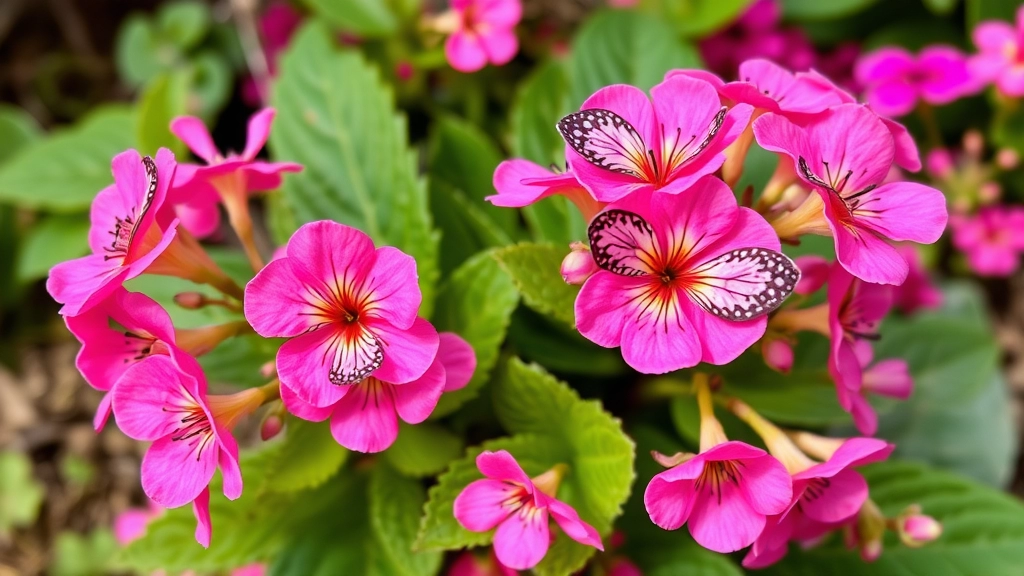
(1007,159)
(578,265)
(269,369)
(989,192)
(404,70)
(939,163)
(271,426)
(916,529)
(974,143)
(778,354)
(190,300)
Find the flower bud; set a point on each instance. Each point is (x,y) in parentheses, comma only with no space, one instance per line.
(939,163)
(578,265)
(269,369)
(404,70)
(190,300)
(989,192)
(271,426)
(778,354)
(974,143)
(1007,159)
(918,530)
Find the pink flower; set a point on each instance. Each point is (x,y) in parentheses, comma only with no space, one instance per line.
(163,400)
(684,278)
(519,507)
(620,142)
(470,564)
(757,34)
(1001,57)
(521,183)
(131,524)
(277,25)
(349,310)
(991,239)
(824,495)
(895,79)
(365,418)
(778,354)
(724,494)
(917,291)
(845,156)
(886,378)
(916,530)
(129,231)
(483,31)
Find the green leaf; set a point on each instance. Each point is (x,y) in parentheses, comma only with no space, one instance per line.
(237,361)
(540,102)
(64,172)
(982,529)
(359,169)
(77,555)
(210,81)
(979,10)
(697,17)
(17,130)
(424,449)
(20,493)
(941,7)
(162,100)
(184,22)
(395,503)
(561,349)
(137,51)
(536,271)
(50,241)
(363,17)
(476,303)
(815,10)
(465,228)
(308,456)
(624,47)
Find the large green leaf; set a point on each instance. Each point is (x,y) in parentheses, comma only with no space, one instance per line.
(363,17)
(624,47)
(163,99)
(52,240)
(306,458)
(424,449)
(17,130)
(557,347)
(539,103)
(979,10)
(476,303)
(359,169)
(536,271)
(395,504)
(64,172)
(816,10)
(982,529)
(20,493)
(697,17)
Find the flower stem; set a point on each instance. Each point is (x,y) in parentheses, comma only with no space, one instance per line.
(271,391)
(711,432)
(780,446)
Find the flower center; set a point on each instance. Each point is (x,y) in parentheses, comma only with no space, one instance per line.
(141,344)
(851,316)
(194,426)
(125,228)
(816,488)
(717,473)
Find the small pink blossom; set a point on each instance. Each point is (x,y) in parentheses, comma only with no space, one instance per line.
(889,378)
(916,530)
(1001,54)
(578,264)
(844,157)
(130,525)
(509,500)
(130,230)
(895,79)
(991,239)
(778,354)
(684,278)
(483,32)
(163,400)
(724,495)
(471,564)
(365,418)
(622,142)
(349,310)
(520,183)
(917,291)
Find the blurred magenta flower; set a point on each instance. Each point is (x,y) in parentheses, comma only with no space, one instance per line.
(519,507)
(277,24)
(470,564)
(757,33)
(480,32)
(894,79)
(1001,54)
(991,239)
(917,291)
(890,378)
(130,525)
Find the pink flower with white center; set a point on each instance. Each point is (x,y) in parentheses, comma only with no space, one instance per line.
(824,494)
(684,278)
(129,232)
(622,142)
(349,310)
(520,183)
(917,291)
(162,399)
(895,79)
(519,507)
(480,32)
(1001,54)
(991,239)
(365,418)
(844,157)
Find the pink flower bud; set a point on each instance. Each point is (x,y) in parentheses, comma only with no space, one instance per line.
(578,265)
(1007,159)
(271,426)
(974,143)
(404,70)
(989,192)
(939,163)
(269,369)
(778,355)
(918,529)
(190,300)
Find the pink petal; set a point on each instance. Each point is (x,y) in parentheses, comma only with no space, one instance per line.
(200,219)
(365,419)
(884,64)
(500,13)
(669,503)
(392,285)
(947,77)
(570,523)
(765,484)
(303,364)
(107,207)
(458,359)
(417,399)
(893,97)
(864,416)
(904,211)
(601,307)
(173,474)
(890,378)
(229,469)
(130,525)
(480,505)
(501,465)
(277,303)
(698,220)
(853,452)
(103,412)
(993,36)
(838,499)
(732,450)
(326,255)
(520,543)
(500,44)
(724,521)
(521,183)
(257,132)
(907,156)
(407,353)
(1011,81)
(145,391)
(84,282)
(465,52)
(264,176)
(201,510)
(864,254)
(660,339)
(194,134)
(814,271)
(305,410)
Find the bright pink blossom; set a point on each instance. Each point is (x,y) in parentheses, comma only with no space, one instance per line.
(130,525)
(895,79)
(622,142)
(845,156)
(509,500)
(163,400)
(129,231)
(484,32)
(991,239)
(578,264)
(520,183)
(917,291)
(471,564)
(349,309)
(684,278)
(890,377)
(365,418)
(723,494)
(824,495)
(1001,57)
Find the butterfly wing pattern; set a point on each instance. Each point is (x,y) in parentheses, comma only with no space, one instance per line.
(745,283)
(355,360)
(607,141)
(622,243)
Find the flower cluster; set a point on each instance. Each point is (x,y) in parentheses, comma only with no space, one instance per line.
(676,272)
(357,351)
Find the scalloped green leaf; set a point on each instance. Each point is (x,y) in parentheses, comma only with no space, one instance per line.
(423,449)
(536,271)
(306,458)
